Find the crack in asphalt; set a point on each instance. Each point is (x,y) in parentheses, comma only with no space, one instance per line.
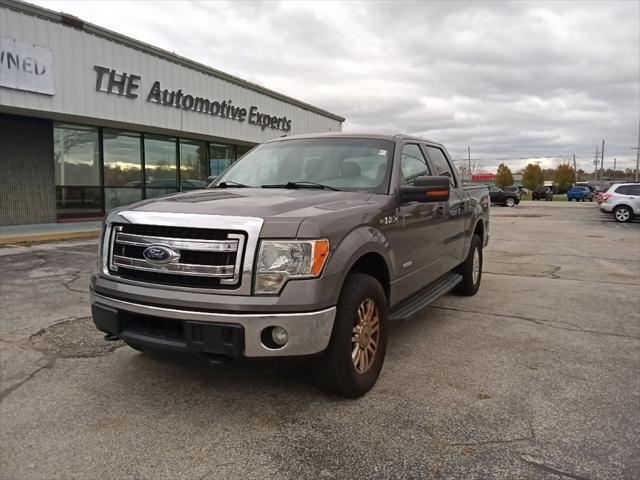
(530,436)
(516,254)
(544,323)
(9,390)
(67,284)
(555,277)
(548,468)
(39,259)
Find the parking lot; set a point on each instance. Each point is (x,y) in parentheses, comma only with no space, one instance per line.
(537,376)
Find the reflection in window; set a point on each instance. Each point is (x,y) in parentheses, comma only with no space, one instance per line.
(220,157)
(193,164)
(412,163)
(116,197)
(76,155)
(160,162)
(78,201)
(241,150)
(122,166)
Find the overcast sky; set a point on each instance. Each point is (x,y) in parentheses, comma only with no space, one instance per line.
(512,80)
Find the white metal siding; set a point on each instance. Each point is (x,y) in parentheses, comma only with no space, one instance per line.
(75,53)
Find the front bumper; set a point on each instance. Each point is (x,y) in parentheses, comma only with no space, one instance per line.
(229,334)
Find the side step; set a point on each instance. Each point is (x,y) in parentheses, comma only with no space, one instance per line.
(412,305)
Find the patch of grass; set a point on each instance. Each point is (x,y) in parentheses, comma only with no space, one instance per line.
(556,198)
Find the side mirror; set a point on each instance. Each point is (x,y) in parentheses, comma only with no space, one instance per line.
(426,189)
(211,179)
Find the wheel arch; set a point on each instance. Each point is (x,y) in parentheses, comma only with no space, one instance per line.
(374,265)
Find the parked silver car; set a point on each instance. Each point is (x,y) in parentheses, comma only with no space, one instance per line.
(623,201)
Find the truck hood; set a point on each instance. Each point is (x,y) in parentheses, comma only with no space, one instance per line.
(282,209)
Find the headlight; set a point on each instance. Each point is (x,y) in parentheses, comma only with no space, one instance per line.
(281,260)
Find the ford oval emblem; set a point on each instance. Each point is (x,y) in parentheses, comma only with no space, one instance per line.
(160,254)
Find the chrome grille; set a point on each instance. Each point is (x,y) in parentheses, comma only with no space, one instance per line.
(202,258)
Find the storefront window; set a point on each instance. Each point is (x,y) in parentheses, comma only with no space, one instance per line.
(122,159)
(76,155)
(193,164)
(220,157)
(160,171)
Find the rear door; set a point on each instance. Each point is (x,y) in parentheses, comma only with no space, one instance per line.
(630,194)
(452,214)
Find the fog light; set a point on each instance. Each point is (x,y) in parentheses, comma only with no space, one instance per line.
(279,336)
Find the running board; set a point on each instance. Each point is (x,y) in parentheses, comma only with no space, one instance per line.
(414,304)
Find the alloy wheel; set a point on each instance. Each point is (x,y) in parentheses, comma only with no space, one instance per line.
(475,268)
(365,336)
(622,214)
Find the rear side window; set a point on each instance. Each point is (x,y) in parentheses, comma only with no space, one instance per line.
(440,163)
(412,163)
(628,190)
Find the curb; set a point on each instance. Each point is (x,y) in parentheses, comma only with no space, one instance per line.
(47,237)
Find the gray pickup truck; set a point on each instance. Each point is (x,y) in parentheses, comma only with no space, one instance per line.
(306,247)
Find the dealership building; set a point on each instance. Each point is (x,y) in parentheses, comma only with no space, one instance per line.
(91,119)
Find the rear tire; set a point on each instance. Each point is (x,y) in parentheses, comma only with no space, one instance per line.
(471,269)
(509,202)
(351,364)
(622,214)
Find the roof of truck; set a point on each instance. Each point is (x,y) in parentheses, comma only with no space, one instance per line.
(378,136)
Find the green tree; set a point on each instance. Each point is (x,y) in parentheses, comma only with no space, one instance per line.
(564,177)
(504,178)
(532,176)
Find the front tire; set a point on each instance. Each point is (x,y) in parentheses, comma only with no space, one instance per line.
(471,269)
(623,214)
(351,364)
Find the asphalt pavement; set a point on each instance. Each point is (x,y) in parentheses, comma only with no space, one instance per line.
(537,377)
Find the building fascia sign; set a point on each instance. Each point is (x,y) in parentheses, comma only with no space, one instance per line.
(126,85)
(26,66)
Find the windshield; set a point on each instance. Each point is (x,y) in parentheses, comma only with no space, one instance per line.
(352,164)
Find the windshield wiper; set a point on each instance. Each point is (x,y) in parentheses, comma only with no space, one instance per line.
(301,184)
(231,183)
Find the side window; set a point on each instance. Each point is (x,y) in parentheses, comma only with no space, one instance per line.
(623,190)
(635,190)
(441,164)
(413,163)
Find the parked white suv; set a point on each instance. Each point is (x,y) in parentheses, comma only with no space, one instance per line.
(623,200)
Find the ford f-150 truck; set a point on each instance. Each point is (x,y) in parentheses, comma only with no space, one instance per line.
(308,246)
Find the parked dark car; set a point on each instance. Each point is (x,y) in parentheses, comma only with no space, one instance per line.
(503,197)
(513,189)
(542,193)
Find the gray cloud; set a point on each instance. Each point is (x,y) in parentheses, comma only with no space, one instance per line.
(511,79)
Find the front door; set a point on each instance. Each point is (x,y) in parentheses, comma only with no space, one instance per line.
(415,239)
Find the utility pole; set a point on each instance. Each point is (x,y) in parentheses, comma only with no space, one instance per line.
(602,163)
(575,170)
(637,149)
(469,158)
(595,167)
(614,168)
